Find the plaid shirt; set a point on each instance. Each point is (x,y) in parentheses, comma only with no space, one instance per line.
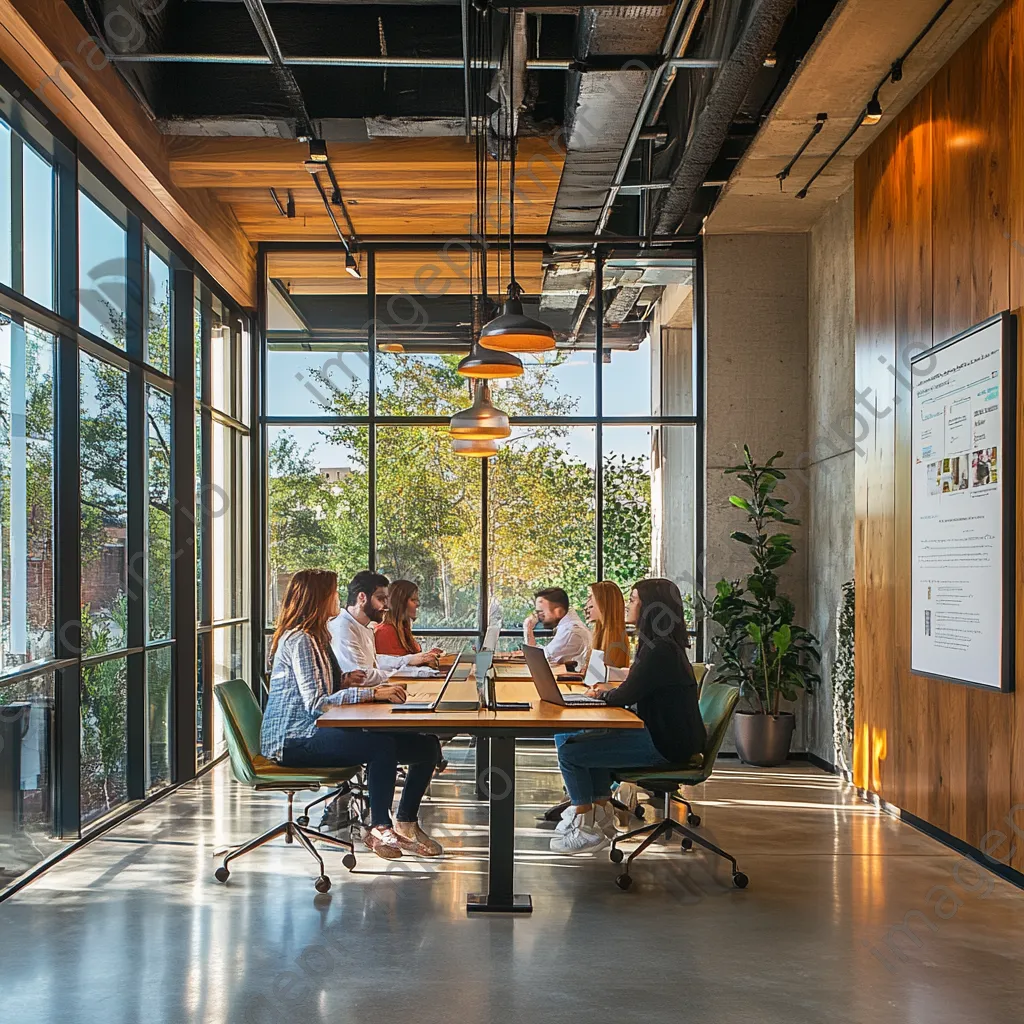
(300,689)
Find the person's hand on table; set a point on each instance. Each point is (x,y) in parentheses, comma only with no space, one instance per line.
(600,689)
(428,658)
(389,693)
(356,678)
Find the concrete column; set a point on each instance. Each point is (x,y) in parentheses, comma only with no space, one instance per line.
(756,392)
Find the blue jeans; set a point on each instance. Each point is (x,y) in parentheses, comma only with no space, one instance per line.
(586,759)
(381,752)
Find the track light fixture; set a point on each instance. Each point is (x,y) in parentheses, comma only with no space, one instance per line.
(351,266)
(317,151)
(873,111)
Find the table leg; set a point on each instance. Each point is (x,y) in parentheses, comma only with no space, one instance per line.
(483,764)
(500,780)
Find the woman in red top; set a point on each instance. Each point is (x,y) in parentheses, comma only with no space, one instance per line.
(394,635)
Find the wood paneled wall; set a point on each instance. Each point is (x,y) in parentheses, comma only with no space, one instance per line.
(939,247)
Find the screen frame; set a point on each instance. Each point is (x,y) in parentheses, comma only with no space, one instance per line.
(1008,442)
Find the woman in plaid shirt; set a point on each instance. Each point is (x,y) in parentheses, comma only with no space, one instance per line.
(304,680)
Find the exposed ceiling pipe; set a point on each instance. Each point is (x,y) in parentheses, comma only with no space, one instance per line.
(724,99)
(285,79)
(677,38)
(386,61)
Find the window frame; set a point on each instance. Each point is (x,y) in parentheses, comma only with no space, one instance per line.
(372,420)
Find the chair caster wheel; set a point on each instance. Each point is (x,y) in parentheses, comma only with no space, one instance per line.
(693,820)
(639,812)
(624,882)
(615,855)
(740,880)
(303,820)
(349,861)
(687,843)
(221,874)
(323,884)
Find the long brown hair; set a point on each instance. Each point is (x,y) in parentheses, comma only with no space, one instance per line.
(610,630)
(307,606)
(662,617)
(400,593)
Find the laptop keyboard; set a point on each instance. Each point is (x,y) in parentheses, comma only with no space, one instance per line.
(584,700)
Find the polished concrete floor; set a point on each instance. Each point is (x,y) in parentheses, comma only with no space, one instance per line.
(134,928)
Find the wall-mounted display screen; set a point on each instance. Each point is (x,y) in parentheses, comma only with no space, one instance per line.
(962,507)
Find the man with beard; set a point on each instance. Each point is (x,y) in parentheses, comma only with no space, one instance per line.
(352,634)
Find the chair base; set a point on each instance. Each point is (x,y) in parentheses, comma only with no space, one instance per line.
(669,827)
(293,832)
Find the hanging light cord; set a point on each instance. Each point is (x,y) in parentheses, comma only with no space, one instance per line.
(513,285)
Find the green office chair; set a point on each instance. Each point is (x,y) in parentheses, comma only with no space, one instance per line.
(717,705)
(243,720)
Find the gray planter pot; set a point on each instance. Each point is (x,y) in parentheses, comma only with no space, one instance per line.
(764,740)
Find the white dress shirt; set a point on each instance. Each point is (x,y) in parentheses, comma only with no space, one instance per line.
(353,646)
(571,641)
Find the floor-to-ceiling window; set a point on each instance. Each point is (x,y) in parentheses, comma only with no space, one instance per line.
(96,529)
(600,478)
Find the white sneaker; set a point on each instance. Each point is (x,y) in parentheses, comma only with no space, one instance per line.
(563,823)
(604,820)
(581,836)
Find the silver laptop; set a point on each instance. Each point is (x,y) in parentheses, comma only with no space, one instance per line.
(461,668)
(547,686)
(491,636)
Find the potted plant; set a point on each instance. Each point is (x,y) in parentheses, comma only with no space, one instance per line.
(757,646)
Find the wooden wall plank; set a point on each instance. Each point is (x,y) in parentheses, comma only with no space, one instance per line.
(953,184)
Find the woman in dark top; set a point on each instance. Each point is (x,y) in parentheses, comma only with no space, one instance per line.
(662,689)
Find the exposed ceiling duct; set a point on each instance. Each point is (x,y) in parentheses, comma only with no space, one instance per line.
(711,127)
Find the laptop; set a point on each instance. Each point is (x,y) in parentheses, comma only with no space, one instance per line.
(599,672)
(547,686)
(461,668)
(491,636)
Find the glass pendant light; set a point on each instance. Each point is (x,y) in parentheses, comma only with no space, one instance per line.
(512,330)
(475,449)
(482,421)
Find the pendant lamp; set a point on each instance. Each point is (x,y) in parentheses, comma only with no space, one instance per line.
(513,331)
(475,449)
(482,421)
(489,364)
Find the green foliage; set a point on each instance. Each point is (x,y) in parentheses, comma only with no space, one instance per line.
(843,678)
(540,500)
(757,646)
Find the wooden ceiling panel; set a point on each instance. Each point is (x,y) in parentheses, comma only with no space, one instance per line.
(390,187)
(431,272)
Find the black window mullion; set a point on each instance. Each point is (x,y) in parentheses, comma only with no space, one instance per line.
(371,341)
(17,214)
(699,461)
(136,582)
(66,223)
(183,532)
(135,290)
(599,409)
(67,591)
(258,537)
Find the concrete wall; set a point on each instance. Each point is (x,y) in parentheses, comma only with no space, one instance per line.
(756,391)
(830,437)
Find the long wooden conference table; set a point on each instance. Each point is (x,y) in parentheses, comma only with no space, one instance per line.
(502,729)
